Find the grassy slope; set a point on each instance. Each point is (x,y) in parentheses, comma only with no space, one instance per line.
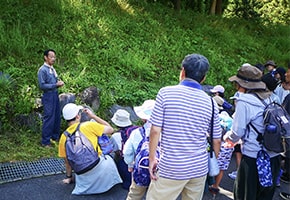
(127,50)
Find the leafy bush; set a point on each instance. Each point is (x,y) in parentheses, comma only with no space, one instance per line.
(265,11)
(6,101)
(127,49)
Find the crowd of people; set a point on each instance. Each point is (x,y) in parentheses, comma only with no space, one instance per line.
(179,120)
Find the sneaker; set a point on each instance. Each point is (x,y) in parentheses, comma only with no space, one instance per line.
(285,196)
(233,175)
(284,178)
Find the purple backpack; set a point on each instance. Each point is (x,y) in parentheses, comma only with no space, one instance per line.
(80,152)
(141,173)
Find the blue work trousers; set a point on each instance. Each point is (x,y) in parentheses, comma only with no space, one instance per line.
(51,117)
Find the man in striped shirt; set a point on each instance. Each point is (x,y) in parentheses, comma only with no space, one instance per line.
(182,116)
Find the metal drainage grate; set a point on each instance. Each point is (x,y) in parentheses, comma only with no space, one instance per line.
(24,170)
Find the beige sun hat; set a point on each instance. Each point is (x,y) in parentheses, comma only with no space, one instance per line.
(249,77)
(121,118)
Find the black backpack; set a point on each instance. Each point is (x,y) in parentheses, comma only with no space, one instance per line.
(277,128)
(80,152)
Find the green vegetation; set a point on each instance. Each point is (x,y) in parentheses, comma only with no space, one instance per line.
(127,49)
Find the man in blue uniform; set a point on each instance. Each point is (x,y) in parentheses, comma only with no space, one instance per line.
(49,84)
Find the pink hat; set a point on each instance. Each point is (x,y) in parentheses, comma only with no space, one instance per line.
(218,88)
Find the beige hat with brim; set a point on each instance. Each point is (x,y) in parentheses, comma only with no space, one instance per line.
(249,77)
(121,118)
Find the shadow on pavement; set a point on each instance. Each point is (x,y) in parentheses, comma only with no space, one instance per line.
(50,187)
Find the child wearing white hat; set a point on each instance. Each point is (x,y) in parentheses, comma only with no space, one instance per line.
(121,119)
(143,112)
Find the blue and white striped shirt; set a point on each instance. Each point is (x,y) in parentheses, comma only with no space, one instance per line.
(184,115)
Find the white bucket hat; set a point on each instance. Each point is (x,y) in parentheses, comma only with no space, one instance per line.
(70,111)
(121,118)
(144,111)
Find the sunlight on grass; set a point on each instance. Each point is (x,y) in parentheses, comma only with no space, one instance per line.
(102,24)
(126,6)
(128,49)
(24,146)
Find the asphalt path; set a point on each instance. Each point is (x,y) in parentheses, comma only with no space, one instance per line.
(51,188)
